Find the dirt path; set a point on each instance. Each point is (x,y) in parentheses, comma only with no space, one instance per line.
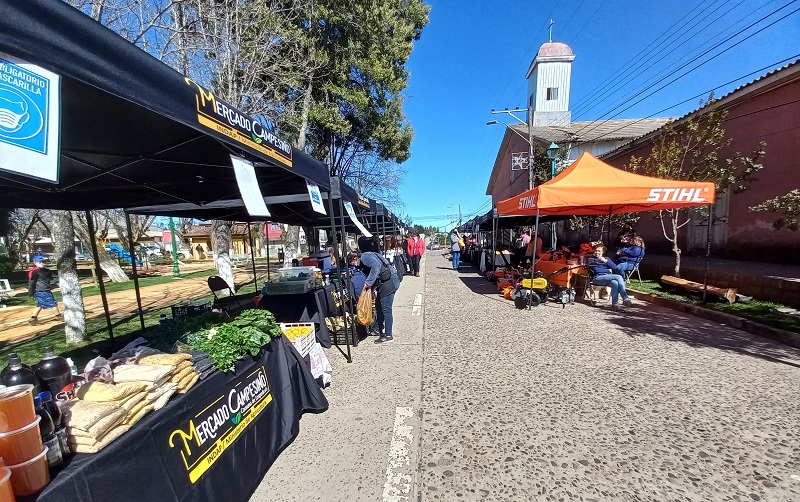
(14,326)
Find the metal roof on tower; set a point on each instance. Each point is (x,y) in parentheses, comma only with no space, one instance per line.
(554,49)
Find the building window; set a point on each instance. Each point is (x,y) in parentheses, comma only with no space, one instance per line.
(552,93)
(275,226)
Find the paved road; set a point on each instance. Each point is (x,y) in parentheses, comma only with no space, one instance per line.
(478,401)
(591,404)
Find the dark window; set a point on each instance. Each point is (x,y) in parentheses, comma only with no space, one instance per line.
(552,93)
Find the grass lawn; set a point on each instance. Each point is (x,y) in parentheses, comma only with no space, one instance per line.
(22,299)
(97,341)
(756,310)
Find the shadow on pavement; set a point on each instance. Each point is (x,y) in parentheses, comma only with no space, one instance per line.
(696,332)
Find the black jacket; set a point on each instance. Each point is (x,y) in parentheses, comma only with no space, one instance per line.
(40,281)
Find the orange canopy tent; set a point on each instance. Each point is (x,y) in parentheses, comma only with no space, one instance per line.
(591,187)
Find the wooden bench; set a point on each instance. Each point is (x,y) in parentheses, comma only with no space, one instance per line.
(5,289)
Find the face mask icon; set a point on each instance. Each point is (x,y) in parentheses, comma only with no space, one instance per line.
(13,115)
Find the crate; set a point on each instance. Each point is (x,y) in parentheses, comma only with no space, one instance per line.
(190,310)
(289,287)
(303,336)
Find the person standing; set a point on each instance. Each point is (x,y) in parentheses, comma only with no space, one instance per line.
(382,279)
(455,248)
(416,248)
(39,287)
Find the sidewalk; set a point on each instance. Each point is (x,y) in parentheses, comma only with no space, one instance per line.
(362,448)
(765,281)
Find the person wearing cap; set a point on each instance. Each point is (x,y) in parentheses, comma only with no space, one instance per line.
(39,287)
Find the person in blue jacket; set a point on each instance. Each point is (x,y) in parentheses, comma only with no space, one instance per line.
(383,280)
(606,274)
(630,255)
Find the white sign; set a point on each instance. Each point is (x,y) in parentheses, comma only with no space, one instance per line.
(316,198)
(30,119)
(349,207)
(248,187)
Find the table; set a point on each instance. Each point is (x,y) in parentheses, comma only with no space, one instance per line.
(311,306)
(565,279)
(181,453)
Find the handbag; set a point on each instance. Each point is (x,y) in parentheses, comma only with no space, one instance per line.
(364,309)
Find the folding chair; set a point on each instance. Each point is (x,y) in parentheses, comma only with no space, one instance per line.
(592,291)
(630,273)
(217,284)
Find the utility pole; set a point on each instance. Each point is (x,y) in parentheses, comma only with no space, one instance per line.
(459,215)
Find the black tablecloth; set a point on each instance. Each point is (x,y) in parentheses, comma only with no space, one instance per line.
(307,307)
(213,444)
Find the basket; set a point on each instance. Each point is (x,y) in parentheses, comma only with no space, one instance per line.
(190,310)
(339,337)
(301,334)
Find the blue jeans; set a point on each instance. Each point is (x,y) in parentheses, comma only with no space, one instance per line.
(626,267)
(617,283)
(456,258)
(383,305)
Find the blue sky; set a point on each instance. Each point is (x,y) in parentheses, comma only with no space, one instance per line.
(473,56)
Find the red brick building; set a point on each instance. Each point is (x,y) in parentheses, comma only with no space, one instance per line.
(767,109)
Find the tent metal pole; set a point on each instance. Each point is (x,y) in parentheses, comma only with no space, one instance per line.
(269,262)
(708,249)
(252,255)
(99,272)
(348,356)
(494,237)
(533,261)
(135,273)
(347,308)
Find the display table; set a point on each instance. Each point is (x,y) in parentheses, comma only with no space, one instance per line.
(307,307)
(214,443)
(565,279)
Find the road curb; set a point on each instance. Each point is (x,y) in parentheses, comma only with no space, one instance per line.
(754,328)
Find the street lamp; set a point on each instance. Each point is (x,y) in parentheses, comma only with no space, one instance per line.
(529,139)
(552,154)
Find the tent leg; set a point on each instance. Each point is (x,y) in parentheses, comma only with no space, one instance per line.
(494,238)
(533,259)
(708,249)
(135,273)
(269,263)
(347,308)
(99,272)
(340,286)
(252,256)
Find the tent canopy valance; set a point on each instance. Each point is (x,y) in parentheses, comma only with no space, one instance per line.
(589,186)
(135,132)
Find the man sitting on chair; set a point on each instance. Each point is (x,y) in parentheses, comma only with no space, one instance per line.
(630,255)
(605,274)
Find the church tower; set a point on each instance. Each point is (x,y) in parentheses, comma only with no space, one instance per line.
(548,84)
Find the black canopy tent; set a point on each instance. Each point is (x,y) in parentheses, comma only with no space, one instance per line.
(134,132)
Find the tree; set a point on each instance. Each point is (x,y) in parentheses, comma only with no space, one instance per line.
(221,242)
(690,151)
(74,314)
(109,265)
(140,224)
(787,206)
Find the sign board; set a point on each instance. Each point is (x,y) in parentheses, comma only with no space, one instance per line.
(519,161)
(316,198)
(248,187)
(30,119)
(349,208)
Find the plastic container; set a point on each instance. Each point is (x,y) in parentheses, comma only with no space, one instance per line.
(17,373)
(295,273)
(54,371)
(12,358)
(16,407)
(22,444)
(30,477)
(6,492)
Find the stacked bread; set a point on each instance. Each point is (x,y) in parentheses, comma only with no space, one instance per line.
(182,374)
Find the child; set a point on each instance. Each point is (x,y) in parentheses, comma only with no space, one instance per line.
(39,286)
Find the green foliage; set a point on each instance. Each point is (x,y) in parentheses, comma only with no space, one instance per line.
(7,265)
(786,206)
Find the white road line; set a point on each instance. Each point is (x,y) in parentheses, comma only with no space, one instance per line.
(399,476)
(417,308)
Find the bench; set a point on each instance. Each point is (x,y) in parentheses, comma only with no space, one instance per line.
(5,289)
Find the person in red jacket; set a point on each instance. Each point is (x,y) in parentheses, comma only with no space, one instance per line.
(416,248)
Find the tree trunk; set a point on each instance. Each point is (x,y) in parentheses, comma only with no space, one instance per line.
(74,314)
(301,135)
(221,239)
(263,234)
(107,263)
(675,249)
(292,248)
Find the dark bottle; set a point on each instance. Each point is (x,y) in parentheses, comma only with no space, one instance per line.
(12,357)
(54,371)
(17,373)
(58,424)
(47,430)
